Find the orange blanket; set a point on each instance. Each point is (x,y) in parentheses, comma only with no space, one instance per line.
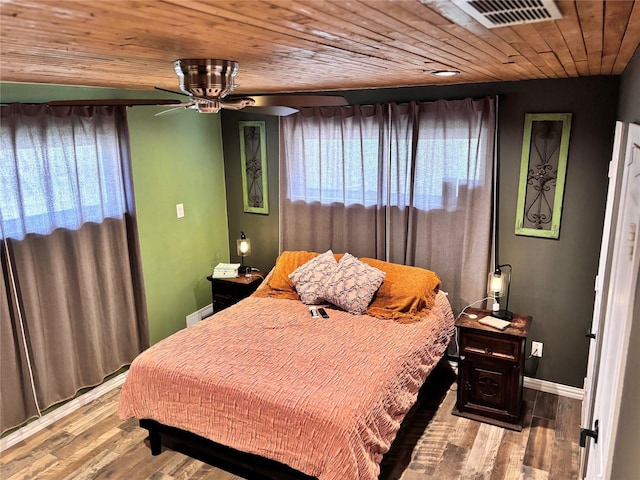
(324,396)
(404,293)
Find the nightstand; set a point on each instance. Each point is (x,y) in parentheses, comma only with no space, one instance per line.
(491,369)
(227,291)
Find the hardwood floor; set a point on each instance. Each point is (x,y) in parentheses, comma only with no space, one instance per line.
(93,443)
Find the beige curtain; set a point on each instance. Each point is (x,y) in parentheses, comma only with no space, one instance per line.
(17,399)
(410,184)
(72,303)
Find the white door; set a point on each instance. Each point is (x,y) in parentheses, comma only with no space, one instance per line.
(619,298)
(602,280)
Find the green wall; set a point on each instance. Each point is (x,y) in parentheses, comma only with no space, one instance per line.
(177,158)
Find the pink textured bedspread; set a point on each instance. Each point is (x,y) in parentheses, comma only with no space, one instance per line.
(325,397)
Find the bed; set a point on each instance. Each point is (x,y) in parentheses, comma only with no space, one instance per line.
(323,396)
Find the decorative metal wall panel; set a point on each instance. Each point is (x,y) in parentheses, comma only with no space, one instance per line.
(253,157)
(543,167)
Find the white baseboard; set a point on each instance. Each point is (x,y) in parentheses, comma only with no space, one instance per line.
(556,388)
(61,412)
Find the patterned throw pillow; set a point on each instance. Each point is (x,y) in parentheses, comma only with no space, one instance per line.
(353,284)
(310,278)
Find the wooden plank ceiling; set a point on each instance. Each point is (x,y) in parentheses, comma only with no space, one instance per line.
(305,45)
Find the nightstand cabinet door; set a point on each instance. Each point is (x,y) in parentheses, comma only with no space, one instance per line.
(490,388)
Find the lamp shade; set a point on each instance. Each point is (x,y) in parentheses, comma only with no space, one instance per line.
(243,245)
(498,285)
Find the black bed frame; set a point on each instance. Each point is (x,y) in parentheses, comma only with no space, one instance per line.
(255,467)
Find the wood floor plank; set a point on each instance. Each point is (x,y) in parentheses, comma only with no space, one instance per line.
(464,433)
(26,447)
(101,412)
(93,432)
(530,473)
(160,476)
(33,448)
(33,469)
(483,453)
(568,419)
(93,466)
(452,462)
(509,457)
(140,461)
(565,461)
(427,455)
(540,444)
(73,463)
(176,465)
(546,405)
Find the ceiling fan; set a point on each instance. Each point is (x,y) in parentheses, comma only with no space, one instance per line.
(209,83)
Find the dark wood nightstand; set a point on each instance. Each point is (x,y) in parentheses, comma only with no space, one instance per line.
(227,291)
(491,369)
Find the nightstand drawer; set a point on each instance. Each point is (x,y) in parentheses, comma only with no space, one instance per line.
(502,348)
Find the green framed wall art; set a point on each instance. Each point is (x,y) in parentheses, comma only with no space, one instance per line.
(543,168)
(253,159)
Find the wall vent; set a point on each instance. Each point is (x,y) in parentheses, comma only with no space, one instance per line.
(505,13)
(198,315)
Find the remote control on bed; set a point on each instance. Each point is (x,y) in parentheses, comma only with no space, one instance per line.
(323,313)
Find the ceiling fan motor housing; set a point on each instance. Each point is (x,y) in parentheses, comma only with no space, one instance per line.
(206,77)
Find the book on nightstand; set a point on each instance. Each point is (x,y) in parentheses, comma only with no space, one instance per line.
(494,322)
(225,270)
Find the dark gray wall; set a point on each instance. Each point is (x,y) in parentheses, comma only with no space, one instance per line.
(625,456)
(553,280)
(261,229)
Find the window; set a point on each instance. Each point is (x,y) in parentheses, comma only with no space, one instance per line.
(59,176)
(350,161)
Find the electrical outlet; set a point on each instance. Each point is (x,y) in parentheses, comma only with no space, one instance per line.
(536,349)
(180,210)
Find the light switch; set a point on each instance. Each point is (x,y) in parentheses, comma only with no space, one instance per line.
(180,210)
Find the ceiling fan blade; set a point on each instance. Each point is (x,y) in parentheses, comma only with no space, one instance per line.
(236,103)
(278,111)
(111,102)
(295,100)
(180,106)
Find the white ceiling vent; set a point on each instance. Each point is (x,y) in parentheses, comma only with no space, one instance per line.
(505,13)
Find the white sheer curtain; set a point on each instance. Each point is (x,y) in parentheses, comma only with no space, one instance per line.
(71,297)
(407,183)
